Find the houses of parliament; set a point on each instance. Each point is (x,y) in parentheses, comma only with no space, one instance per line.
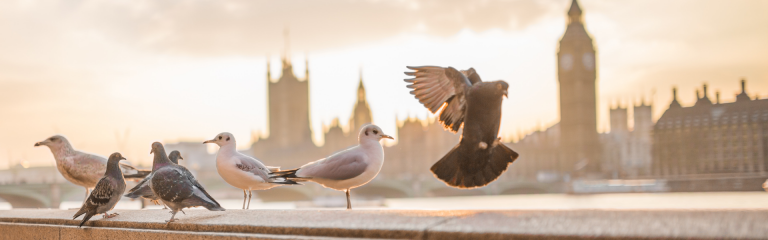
(419,143)
(691,148)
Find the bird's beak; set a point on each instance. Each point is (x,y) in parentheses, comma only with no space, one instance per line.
(152,151)
(387,136)
(123,158)
(37,144)
(505,94)
(209,141)
(181,158)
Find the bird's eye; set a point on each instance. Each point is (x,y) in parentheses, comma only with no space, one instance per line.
(52,139)
(227,138)
(219,137)
(375,132)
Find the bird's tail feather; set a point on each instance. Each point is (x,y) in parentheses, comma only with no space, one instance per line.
(451,170)
(79,212)
(85,218)
(141,174)
(288,175)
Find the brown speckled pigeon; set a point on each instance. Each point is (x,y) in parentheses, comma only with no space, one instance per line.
(176,186)
(463,98)
(107,192)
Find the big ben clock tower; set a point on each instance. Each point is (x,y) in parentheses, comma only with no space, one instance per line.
(579,143)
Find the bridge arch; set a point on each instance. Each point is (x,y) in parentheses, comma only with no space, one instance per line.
(19,199)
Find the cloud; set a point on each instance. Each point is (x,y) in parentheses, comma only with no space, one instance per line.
(232,27)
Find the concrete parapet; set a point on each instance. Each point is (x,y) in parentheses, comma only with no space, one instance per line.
(390,224)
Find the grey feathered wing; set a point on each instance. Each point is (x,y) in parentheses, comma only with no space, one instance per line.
(442,90)
(100,196)
(142,190)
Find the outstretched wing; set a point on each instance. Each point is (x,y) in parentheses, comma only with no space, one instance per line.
(442,89)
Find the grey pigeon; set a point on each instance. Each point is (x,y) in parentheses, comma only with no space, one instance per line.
(143,189)
(81,168)
(107,192)
(176,186)
(346,169)
(243,171)
(463,98)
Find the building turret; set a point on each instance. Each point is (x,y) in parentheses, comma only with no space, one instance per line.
(675,103)
(743,95)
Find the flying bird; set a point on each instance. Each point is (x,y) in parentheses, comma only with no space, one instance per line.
(346,169)
(462,98)
(143,189)
(242,171)
(81,168)
(107,192)
(176,186)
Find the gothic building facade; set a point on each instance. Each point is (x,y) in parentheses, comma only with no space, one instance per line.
(572,147)
(419,143)
(712,138)
(577,71)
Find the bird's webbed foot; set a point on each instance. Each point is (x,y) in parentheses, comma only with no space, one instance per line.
(110,215)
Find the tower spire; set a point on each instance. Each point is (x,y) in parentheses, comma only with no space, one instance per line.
(675,103)
(574,13)
(743,95)
(286,51)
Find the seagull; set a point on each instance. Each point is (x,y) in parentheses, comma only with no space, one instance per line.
(242,171)
(143,189)
(346,169)
(463,98)
(81,168)
(107,192)
(176,186)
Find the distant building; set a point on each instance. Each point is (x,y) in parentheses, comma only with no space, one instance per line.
(627,153)
(580,147)
(572,147)
(711,138)
(196,158)
(418,147)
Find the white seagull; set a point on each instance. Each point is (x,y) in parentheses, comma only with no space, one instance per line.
(81,168)
(347,169)
(242,171)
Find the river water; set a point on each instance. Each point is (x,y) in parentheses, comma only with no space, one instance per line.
(708,200)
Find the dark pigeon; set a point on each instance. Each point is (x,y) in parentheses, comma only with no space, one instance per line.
(107,192)
(143,190)
(462,98)
(176,186)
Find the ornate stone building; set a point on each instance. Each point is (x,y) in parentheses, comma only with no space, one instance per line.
(290,137)
(711,139)
(579,144)
(572,147)
(419,145)
(627,152)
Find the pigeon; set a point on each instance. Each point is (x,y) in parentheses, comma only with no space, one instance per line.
(143,189)
(107,192)
(242,171)
(346,169)
(176,186)
(81,168)
(464,99)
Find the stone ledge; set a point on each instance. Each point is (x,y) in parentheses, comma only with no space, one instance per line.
(393,224)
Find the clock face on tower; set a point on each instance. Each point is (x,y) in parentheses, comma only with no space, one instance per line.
(589,61)
(566,61)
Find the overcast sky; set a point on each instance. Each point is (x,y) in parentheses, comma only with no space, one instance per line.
(117,75)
